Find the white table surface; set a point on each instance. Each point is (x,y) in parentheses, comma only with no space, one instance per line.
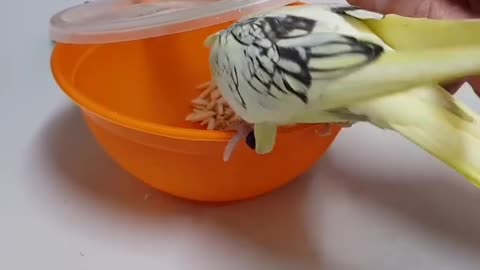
(66,205)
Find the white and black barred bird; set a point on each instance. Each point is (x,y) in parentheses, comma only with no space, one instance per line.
(318,64)
(272,56)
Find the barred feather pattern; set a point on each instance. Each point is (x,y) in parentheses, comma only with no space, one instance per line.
(276,57)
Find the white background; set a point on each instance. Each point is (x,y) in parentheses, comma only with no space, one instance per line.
(65,205)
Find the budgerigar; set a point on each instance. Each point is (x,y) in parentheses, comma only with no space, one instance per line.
(324,64)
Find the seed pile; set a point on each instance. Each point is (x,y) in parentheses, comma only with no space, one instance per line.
(211,110)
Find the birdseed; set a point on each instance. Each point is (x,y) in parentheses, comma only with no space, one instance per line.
(210,110)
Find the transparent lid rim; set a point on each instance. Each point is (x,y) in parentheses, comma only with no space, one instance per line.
(75,24)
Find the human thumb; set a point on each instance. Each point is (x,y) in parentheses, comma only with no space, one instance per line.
(439,9)
(411,8)
(374,5)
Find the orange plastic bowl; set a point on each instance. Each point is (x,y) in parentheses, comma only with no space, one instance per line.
(135,96)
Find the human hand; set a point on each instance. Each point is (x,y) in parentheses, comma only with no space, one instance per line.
(434,9)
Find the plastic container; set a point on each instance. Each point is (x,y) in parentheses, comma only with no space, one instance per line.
(135,94)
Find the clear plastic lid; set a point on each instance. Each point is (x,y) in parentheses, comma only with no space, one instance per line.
(105,21)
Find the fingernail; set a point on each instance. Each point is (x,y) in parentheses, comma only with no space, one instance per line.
(374,5)
(358,3)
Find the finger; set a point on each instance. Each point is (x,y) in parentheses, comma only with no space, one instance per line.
(439,9)
(406,7)
(375,5)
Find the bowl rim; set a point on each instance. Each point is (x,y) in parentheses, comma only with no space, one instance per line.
(133,123)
